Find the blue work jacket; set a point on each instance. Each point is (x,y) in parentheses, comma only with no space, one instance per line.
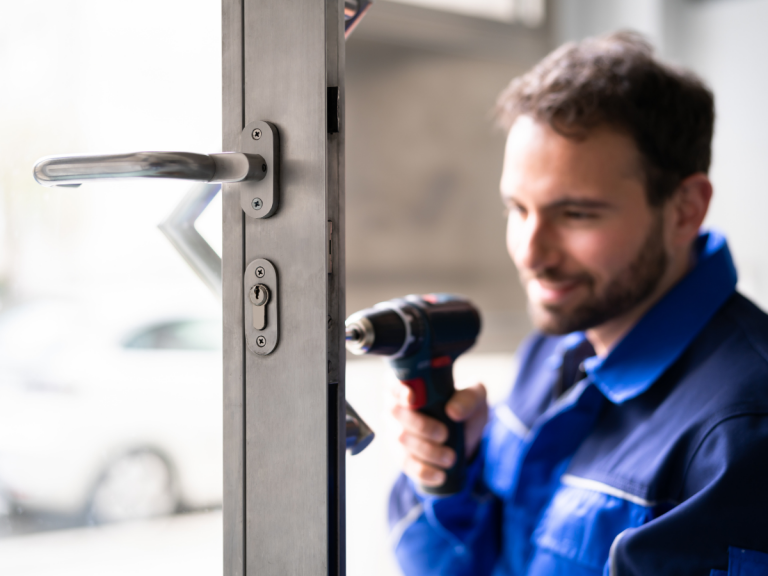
(652,460)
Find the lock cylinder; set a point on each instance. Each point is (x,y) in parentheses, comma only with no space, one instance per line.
(259,296)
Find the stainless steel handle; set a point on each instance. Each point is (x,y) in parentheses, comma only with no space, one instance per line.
(224,167)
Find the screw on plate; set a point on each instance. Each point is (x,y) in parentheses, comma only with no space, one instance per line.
(257,203)
(256,134)
(261,341)
(260,272)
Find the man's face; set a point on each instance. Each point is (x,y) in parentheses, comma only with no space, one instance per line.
(586,243)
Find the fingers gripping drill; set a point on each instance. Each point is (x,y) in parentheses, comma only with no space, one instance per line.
(422,336)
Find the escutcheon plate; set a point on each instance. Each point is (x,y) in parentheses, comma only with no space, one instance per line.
(261,271)
(260,199)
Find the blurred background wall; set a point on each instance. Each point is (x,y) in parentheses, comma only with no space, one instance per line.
(424,158)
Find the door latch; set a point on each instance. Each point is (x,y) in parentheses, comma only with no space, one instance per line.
(260,307)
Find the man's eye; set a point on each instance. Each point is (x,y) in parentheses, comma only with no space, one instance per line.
(579,215)
(513,210)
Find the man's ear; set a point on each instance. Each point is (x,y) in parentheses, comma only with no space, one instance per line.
(688,207)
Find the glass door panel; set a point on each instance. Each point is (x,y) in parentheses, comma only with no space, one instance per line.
(110,346)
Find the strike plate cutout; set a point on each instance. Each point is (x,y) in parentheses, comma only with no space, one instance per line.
(261,342)
(260,199)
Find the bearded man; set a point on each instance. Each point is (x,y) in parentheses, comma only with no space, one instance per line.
(635,438)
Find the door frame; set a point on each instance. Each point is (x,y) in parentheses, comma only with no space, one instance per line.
(283,437)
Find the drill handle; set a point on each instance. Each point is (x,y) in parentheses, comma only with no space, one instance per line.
(431,402)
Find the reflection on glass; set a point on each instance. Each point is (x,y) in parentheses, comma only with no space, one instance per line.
(104,420)
(178,335)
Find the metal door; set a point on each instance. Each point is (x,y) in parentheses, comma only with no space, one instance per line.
(283,62)
(282,274)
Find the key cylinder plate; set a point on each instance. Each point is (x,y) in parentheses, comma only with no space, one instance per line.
(271,332)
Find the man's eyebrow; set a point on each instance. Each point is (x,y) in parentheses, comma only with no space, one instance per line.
(566,202)
(569,202)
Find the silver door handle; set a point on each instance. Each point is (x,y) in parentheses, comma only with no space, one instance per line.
(224,167)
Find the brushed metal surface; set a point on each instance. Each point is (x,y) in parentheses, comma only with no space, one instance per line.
(335,56)
(286,392)
(233,266)
(271,332)
(292,51)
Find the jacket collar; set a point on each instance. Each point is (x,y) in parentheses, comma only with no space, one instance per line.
(667,329)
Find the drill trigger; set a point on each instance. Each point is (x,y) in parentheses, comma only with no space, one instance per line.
(419,391)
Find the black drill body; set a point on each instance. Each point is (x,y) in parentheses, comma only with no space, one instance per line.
(422,336)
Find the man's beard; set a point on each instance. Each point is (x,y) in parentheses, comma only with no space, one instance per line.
(625,291)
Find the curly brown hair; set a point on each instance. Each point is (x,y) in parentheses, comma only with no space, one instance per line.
(616,81)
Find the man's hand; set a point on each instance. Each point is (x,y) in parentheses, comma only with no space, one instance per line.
(421,437)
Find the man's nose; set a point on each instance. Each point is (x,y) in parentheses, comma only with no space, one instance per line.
(534,245)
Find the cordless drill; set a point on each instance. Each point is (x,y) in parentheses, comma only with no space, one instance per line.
(422,336)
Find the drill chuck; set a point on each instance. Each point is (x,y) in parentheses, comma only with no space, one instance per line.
(354,334)
(391,329)
(398,328)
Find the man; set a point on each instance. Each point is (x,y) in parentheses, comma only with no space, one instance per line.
(635,439)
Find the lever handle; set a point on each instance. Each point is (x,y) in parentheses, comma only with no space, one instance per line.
(224,167)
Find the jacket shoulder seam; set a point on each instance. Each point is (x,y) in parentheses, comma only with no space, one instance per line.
(738,411)
(748,334)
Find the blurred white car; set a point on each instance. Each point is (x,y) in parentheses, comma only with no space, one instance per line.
(107,413)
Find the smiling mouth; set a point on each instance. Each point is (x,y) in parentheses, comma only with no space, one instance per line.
(552,292)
